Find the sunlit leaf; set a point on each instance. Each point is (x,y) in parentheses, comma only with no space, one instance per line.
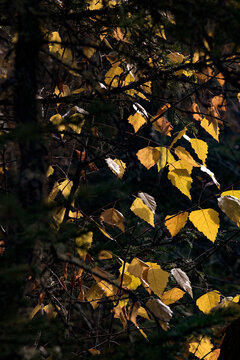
(201,148)
(211,127)
(105,255)
(116,166)
(178,137)
(94,295)
(201,347)
(176,57)
(185,156)
(171,296)
(180,176)
(235,193)
(206,221)
(157,280)
(136,120)
(176,222)
(112,77)
(148,156)
(165,158)
(143,211)
(158,310)
(208,301)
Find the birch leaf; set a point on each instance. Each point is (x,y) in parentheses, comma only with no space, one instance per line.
(136,267)
(230,205)
(180,176)
(211,127)
(129,280)
(176,222)
(105,255)
(160,311)
(235,193)
(208,301)
(201,149)
(184,155)
(171,296)
(143,211)
(165,158)
(178,137)
(148,200)
(148,156)
(201,347)
(157,280)
(183,280)
(94,295)
(206,221)
(84,243)
(211,174)
(136,120)
(113,217)
(116,166)
(112,76)
(175,57)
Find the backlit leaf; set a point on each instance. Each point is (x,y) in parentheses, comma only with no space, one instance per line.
(143,211)
(148,200)
(208,301)
(176,57)
(157,280)
(235,193)
(148,156)
(136,267)
(176,222)
(230,205)
(180,176)
(136,120)
(105,255)
(162,125)
(112,76)
(160,311)
(201,148)
(201,347)
(178,137)
(185,156)
(211,127)
(206,221)
(171,296)
(165,158)
(211,174)
(130,281)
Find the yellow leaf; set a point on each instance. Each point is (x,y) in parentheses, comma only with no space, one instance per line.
(76,122)
(84,243)
(208,301)
(201,347)
(56,119)
(130,281)
(157,280)
(58,214)
(148,156)
(109,289)
(176,222)
(230,205)
(116,166)
(141,210)
(215,354)
(50,311)
(113,217)
(162,125)
(165,158)
(235,193)
(95,4)
(50,171)
(136,120)
(54,42)
(136,267)
(133,312)
(236,298)
(211,127)
(94,295)
(65,187)
(112,77)
(180,176)
(179,136)
(142,312)
(104,255)
(184,155)
(35,311)
(201,149)
(171,296)
(64,92)
(206,221)
(175,57)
